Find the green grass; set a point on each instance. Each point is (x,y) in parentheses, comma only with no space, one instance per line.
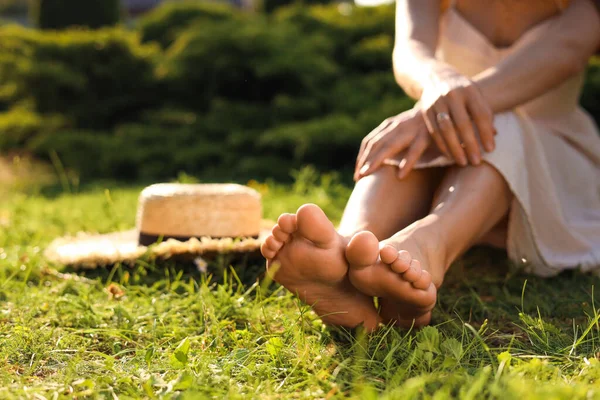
(167,331)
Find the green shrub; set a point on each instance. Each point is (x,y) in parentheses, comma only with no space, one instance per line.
(247,60)
(8,7)
(272,5)
(346,26)
(590,98)
(373,53)
(229,96)
(19,125)
(163,24)
(94,79)
(140,152)
(330,142)
(61,14)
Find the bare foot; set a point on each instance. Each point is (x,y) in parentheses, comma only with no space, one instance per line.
(306,255)
(398,272)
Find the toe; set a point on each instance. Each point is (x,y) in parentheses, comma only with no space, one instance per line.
(279,234)
(402,262)
(362,250)
(314,225)
(388,254)
(288,223)
(423,320)
(273,244)
(417,322)
(424,281)
(414,272)
(267,252)
(420,301)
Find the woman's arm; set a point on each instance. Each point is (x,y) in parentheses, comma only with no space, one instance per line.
(417,30)
(539,65)
(450,102)
(535,67)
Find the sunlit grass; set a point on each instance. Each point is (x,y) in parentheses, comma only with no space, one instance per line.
(155,331)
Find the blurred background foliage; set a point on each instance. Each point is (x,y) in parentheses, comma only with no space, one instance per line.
(60,14)
(205,89)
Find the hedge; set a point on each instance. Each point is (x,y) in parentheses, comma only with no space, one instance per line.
(165,23)
(94,79)
(61,14)
(214,92)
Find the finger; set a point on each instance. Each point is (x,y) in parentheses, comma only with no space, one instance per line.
(435,134)
(386,122)
(414,153)
(430,123)
(377,157)
(448,133)
(434,131)
(440,144)
(360,163)
(452,142)
(371,148)
(373,163)
(483,117)
(465,131)
(391,162)
(374,142)
(365,144)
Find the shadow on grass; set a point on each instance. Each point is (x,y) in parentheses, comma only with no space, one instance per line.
(242,269)
(484,287)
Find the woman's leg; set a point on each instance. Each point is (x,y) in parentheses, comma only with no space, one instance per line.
(411,264)
(382,204)
(307,256)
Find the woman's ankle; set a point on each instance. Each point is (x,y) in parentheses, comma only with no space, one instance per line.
(432,246)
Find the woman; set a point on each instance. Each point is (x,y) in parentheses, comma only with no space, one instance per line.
(496,151)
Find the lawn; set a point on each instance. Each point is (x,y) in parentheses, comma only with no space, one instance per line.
(170,331)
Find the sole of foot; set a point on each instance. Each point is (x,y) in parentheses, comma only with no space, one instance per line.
(392,272)
(306,255)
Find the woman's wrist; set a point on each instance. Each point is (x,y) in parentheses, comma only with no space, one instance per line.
(498,94)
(489,91)
(415,68)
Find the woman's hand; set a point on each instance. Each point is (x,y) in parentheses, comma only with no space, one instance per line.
(452,107)
(405,131)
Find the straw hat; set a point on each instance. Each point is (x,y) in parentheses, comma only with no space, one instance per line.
(174,220)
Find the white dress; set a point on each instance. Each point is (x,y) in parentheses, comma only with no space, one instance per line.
(548,150)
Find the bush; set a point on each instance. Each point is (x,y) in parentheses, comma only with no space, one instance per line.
(247,61)
(93,79)
(165,23)
(19,125)
(346,25)
(140,152)
(224,96)
(272,5)
(61,14)
(11,7)
(590,98)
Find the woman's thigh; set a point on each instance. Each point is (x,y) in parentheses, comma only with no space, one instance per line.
(383,204)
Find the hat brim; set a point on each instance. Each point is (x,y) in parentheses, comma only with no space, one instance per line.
(89,251)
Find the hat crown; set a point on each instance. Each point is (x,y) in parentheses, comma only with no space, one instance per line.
(199,210)
(197,189)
